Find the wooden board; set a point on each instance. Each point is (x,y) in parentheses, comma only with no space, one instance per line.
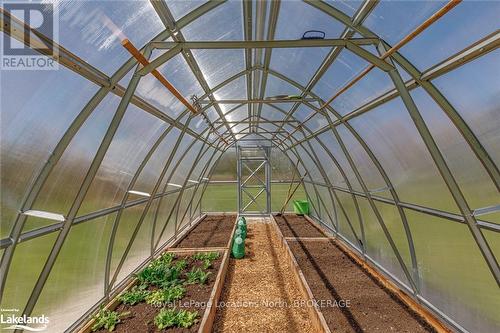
(207,321)
(317,318)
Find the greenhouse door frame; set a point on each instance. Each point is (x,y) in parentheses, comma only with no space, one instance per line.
(248,169)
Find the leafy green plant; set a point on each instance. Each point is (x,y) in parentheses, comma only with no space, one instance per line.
(186,319)
(162,272)
(205,256)
(136,295)
(152,275)
(165,318)
(197,275)
(172,317)
(107,319)
(162,296)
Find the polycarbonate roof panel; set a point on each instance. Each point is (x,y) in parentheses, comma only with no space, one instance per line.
(392,20)
(348,7)
(224,22)
(463,26)
(298,64)
(177,72)
(276,86)
(372,85)
(234,90)
(296,17)
(94,32)
(219,65)
(179,8)
(343,70)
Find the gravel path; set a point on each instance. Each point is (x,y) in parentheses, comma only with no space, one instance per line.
(260,293)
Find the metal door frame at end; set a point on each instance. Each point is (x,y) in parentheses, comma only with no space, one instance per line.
(266,184)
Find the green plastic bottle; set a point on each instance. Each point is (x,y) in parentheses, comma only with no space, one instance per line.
(242,226)
(242,218)
(242,232)
(238,249)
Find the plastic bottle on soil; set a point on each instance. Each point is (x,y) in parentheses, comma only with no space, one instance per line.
(243,232)
(243,226)
(242,218)
(238,249)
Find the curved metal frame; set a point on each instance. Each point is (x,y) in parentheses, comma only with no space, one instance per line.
(353,25)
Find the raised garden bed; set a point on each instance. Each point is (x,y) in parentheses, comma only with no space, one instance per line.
(170,295)
(296,226)
(213,231)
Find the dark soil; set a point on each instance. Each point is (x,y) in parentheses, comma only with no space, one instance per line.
(141,318)
(296,226)
(333,275)
(213,231)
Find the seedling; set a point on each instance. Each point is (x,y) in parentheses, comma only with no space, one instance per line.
(166,318)
(206,256)
(171,317)
(107,319)
(136,295)
(186,319)
(197,275)
(162,296)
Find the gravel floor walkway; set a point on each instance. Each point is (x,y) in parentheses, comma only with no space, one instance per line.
(260,293)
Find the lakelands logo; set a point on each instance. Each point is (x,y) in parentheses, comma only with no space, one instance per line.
(31,29)
(32,324)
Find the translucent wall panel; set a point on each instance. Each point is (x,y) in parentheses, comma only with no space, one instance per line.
(366,167)
(151,171)
(472,178)
(454,275)
(76,282)
(225,167)
(390,133)
(377,245)
(279,194)
(331,143)
(282,169)
(312,197)
(183,207)
(332,172)
(464,25)
(328,210)
(37,108)
(473,90)
(165,219)
(135,136)
(64,182)
(220,198)
(309,164)
(94,32)
(348,213)
(128,222)
(393,221)
(21,277)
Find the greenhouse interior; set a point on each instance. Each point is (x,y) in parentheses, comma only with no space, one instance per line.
(250,166)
